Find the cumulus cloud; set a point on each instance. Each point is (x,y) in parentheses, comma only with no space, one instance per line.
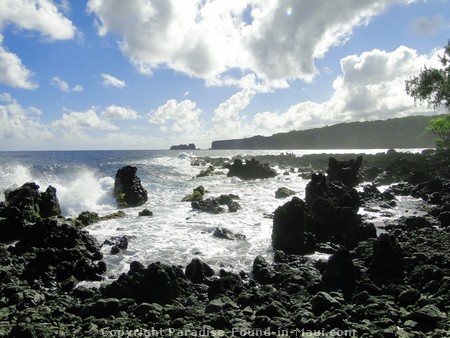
(111,81)
(12,72)
(371,86)
(83,120)
(39,15)
(272,40)
(119,113)
(227,118)
(64,86)
(20,126)
(42,16)
(182,117)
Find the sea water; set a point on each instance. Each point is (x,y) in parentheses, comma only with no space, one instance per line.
(176,233)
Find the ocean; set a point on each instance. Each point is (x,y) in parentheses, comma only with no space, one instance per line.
(175,233)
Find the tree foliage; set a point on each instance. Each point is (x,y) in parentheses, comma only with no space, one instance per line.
(441,127)
(432,85)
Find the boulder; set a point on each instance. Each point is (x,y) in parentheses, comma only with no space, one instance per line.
(340,273)
(197,195)
(88,217)
(197,271)
(224,233)
(290,232)
(158,283)
(145,213)
(252,169)
(128,189)
(387,262)
(284,192)
(344,171)
(210,205)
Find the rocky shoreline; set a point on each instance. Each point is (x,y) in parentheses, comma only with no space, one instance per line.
(393,285)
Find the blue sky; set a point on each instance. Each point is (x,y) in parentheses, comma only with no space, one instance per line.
(146,74)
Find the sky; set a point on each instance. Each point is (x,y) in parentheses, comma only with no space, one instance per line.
(148,74)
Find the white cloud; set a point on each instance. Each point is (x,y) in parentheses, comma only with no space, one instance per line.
(12,72)
(273,41)
(64,86)
(83,120)
(42,16)
(371,86)
(119,113)
(111,81)
(183,117)
(20,127)
(227,119)
(39,15)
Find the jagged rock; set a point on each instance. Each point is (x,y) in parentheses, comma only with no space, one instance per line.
(252,169)
(340,273)
(262,271)
(290,232)
(387,262)
(48,203)
(118,243)
(322,302)
(128,189)
(197,271)
(344,171)
(158,283)
(207,172)
(284,192)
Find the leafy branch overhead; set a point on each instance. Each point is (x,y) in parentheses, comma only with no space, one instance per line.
(433,87)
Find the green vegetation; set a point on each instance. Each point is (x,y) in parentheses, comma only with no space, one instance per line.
(441,127)
(406,132)
(433,87)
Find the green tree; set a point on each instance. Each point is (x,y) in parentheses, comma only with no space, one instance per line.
(433,87)
(441,127)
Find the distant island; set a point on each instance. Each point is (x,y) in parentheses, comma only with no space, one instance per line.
(405,132)
(190,146)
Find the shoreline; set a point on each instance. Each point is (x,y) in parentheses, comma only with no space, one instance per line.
(39,276)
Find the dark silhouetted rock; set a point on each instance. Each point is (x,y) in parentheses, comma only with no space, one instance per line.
(252,169)
(128,189)
(340,273)
(344,171)
(387,262)
(197,271)
(158,283)
(262,271)
(88,217)
(224,233)
(210,205)
(290,231)
(145,213)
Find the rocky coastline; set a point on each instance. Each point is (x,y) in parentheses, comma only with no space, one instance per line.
(393,285)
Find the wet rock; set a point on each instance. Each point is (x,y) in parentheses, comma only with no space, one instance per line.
(128,189)
(87,217)
(196,196)
(118,243)
(408,297)
(252,169)
(145,213)
(224,233)
(290,232)
(207,172)
(387,262)
(197,271)
(284,192)
(210,205)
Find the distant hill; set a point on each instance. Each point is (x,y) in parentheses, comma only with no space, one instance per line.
(406,132)
(190,146)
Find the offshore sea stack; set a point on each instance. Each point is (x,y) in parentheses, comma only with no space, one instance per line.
(329,213)
(128,189)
